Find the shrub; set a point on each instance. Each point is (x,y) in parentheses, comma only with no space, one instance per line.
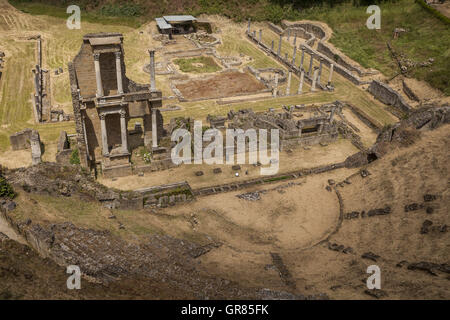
(74,157)
(6,191)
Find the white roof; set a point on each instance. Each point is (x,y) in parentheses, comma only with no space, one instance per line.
(162,24)
(182,18)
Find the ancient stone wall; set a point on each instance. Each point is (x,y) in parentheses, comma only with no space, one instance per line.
(409,92)
(21,140)
(337,68)
(63,149)
(337,57)
(80,129)
(389,96)
(2,61)
(36,151)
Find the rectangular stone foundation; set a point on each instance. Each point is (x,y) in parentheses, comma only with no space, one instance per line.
(117,171)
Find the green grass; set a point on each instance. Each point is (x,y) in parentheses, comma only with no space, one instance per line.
(204,65)
(233,45)
(427,37)
(107,15)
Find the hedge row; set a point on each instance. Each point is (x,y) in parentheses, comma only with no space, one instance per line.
(434,12)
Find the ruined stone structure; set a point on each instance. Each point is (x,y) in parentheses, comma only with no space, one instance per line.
(36,148)
(2,57)
(21,140)
(290,63)
(295,128)
(63,149)
(389,96)
(104,100)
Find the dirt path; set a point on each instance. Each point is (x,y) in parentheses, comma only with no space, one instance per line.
(7,230)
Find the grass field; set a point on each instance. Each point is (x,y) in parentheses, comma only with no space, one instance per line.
(198,65)
(426,37)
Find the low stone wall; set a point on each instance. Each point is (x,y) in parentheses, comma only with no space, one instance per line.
(21,140)
(389,96)
(307,141)
(312,28)
(117,171)
(337,58)
(409,92)
(166,195)
(275,28)
(282,77)
(337,68)
(156,165)
(264,180)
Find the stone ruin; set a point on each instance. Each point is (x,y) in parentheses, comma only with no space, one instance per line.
(2,60)
(64,151)
(36,148)
(28,139)
(294,127)
(104,100)
(217,122)
(21,140)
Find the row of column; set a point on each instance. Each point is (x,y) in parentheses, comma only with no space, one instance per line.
(124,131)
(98,75)
(315,72)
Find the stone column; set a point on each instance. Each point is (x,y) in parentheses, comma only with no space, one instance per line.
(254,34)
(331,74)
(248,27)
(303,58)
(119,73)
(311,60)
(320,71)
(289,34)
(104,134)
(333,110)
(316,73)
(288,87)
(321,128)
(293,55)
(295,39)
(154,130)
(285,56)
(302,78)
(279,45)
(275,89)
(260,35)
(272,45)
(152,70)
(124,131)
(98,75)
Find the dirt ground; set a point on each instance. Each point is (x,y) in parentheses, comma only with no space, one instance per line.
(221,85)
(444,8)
(298,159)
(368,136)
(394,238)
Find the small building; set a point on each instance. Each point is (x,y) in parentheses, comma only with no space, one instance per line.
(182,24)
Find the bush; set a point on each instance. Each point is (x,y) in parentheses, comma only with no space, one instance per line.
(74,157)
(125,10)
(6,191)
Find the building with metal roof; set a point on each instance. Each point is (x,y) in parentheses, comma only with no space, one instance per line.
(180,24)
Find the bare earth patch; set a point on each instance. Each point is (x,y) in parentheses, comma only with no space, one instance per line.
(221,85)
